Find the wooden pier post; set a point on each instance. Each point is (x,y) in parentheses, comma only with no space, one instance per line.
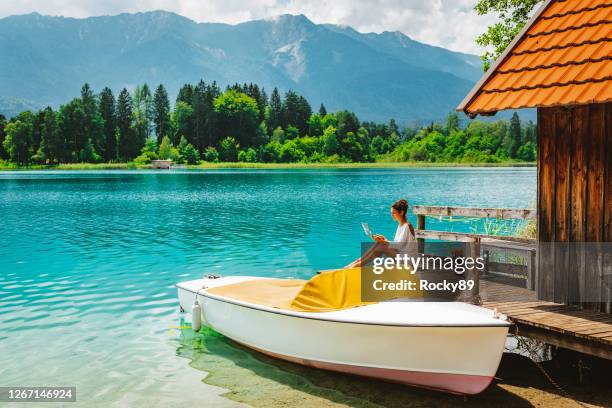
(474,273)
(420,226)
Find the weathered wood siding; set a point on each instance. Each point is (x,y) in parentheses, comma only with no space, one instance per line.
(574,203)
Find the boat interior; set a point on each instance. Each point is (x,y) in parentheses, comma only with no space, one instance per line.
(326,291)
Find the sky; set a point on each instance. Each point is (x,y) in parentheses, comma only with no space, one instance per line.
(450,24)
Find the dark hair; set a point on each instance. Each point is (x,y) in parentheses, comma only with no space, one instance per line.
(401,206)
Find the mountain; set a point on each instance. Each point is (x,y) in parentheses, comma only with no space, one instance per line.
(45,60)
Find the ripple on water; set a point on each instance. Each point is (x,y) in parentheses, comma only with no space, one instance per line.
(88,260)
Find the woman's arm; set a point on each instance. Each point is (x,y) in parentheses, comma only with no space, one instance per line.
(379,238)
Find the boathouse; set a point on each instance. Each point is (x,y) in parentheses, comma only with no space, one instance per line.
(561,64)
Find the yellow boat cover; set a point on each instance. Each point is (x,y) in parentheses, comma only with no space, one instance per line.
(330,290)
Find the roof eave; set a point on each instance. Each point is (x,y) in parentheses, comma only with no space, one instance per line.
(485,78)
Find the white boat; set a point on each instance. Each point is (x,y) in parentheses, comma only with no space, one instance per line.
(447,346)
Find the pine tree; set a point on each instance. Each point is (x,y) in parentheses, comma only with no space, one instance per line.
(515,135)
(200,114)
(127,145)
(148,109)
(212,132)
(72,126)
(185,94)
(276,110)
(260,98)
(107,111)
(322,110)
(52,144)
(303,115)
(142,111)
(93,122)
(161,113)
(290,109)
(452,123)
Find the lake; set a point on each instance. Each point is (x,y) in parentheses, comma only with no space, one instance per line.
(88,260)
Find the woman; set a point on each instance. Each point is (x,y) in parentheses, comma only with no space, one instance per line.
(403,243)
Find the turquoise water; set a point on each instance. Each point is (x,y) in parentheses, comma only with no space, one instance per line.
(88,260)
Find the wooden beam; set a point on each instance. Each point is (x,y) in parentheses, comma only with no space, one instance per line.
(564,341)
(474,273)
(420,226)
(467,237)
(498,213)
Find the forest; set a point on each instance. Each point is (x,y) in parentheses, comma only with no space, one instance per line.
(241,123)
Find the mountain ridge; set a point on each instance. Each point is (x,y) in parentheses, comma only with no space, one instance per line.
(379,76)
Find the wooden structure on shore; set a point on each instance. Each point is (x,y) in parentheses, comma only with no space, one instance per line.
(564,326)
(561,64)
(161,164)
(513,294)
(476,242)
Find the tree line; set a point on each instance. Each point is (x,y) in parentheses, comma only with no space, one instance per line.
(241,123)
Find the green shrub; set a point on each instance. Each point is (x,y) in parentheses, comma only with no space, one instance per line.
(211,155)
(189,154)
(143,159)
(228,149)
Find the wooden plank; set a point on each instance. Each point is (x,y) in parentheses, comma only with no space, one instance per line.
(498,242)
(444,236)
(530,310)
(466,237)
(578,216)
(561,201)
(605,318)
(594,227)
(607,227)
(601,336)
(546,209)
(474,273)
(420,226)
(498,213)
(570,324)
(595,330)
(582,325)
(559,331)
(545,321)
(531,271)
(507,268)
(585,327)
(573,343)
(565,326)
(534,303)
(607,233)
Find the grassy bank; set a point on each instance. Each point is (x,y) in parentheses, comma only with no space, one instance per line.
(241,165)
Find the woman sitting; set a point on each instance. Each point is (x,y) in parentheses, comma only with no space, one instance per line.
(404,241)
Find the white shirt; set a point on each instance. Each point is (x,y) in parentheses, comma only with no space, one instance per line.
(404,240)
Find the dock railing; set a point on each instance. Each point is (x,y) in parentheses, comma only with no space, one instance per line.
(476,242)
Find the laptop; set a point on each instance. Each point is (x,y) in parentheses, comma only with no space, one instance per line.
(366,229)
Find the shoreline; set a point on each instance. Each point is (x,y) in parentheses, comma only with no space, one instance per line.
(268,166)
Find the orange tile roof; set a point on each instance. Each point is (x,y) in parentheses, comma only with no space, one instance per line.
(563,56)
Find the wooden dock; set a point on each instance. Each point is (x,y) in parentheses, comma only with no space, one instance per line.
(585,331)
(510,290)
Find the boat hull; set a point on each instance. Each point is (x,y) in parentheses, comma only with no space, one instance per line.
(456,359)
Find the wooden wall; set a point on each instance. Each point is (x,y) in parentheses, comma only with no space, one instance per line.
(574,204)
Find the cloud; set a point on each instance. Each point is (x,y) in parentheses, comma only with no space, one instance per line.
(447,23)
